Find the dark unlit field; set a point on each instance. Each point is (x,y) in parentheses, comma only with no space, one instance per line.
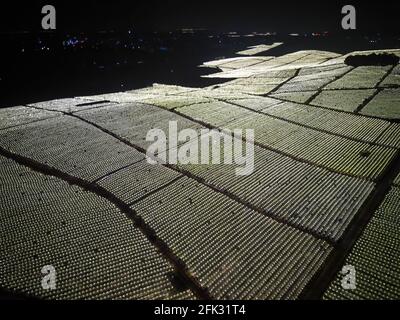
(78,194)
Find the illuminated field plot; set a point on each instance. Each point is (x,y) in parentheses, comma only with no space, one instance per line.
(348,125)
(324,149)
(361,77)
(339,154)
(300,113)
(254,81)
(285,60)
(16,116)
(256,85)
(335,69)
(300,96)
(341,59)
(72,104)
(274,74)
(133,121)
(138,180)
(321,74)
(96,251)
(393,79)
(346,100)
(391,136)
(320,201)
(289,61)
(235,63)
(327,150)
(217,113)
(259,49)
(261,258)
(300,59)
(173,102)
(310,59)
(375,256)
(161,89)
(256,103)
(322,54)
(397,180)
(312,85)
(212,93)
(121,97)
(305,57)
(156,91)
(253,89)
(236,73)
(240,63)
(312,81)
(386,104)
(71,146)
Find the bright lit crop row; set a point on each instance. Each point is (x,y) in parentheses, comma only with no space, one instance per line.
(133,121)
(17,116)
(136,181)
(304,195)
(235,252)
(375,256)
(315,84)
(96,251)
(71,104)
(352,126)
(71,146)
(173,102)
(397,180)
(295,96)
(384,105)
(391,136)
(328,150)
(393,79)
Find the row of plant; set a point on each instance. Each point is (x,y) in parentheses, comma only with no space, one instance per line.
(233,251)
(94,248)
(328,150)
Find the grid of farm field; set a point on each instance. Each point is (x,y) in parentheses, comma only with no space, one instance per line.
(79,194)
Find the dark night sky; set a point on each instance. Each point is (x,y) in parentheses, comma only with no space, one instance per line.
(164,15)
